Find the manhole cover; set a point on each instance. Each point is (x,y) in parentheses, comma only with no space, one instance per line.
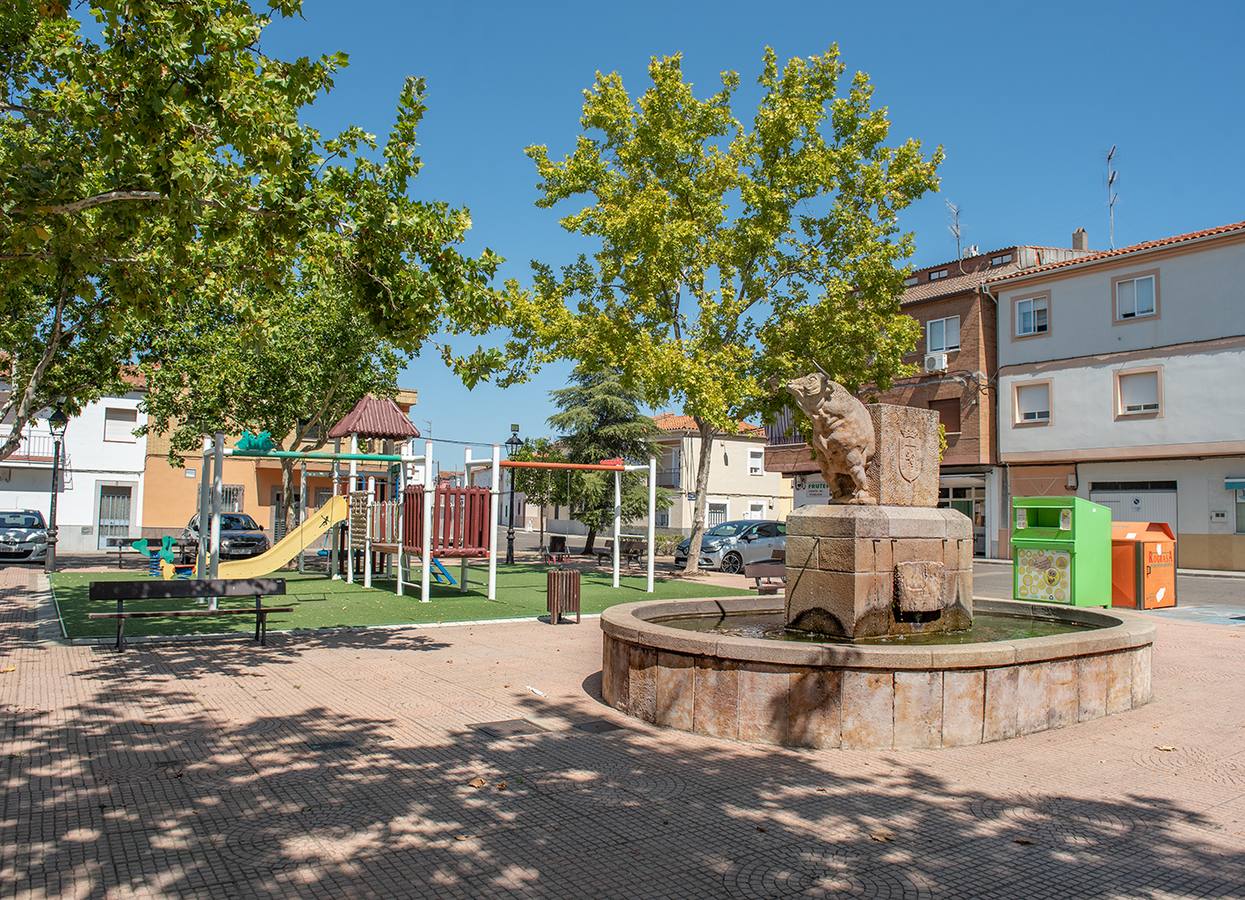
(597,726)
(820,872)
(1063,821)
(507,728)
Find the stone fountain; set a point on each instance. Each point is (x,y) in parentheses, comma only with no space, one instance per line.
(874,644)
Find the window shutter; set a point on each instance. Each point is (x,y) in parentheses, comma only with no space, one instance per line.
(119,425)
(953,333)
(1033,402)
(1139,392)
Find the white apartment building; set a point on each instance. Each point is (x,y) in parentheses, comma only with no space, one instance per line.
(739,485)
(101,476)
(1120,380)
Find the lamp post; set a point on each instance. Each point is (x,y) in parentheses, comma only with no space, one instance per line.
(56,424)
(513,443)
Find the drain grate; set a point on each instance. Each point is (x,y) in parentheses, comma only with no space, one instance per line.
(507,728)
(596,726)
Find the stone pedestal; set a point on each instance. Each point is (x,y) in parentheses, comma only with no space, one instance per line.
(904,467)
(863,571)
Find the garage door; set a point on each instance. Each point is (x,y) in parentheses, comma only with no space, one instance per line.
(1139,506)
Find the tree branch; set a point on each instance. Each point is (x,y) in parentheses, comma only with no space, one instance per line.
(77,206)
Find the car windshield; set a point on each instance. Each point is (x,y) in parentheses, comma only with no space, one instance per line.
(726,529)
(237,522)
(21,520)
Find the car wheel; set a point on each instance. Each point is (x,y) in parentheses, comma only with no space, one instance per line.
(732,564)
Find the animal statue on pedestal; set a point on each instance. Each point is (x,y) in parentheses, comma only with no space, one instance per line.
(843,435)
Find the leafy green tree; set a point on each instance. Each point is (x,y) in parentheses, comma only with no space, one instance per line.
(290,364)
(728,255)
(165,164)
(600,418)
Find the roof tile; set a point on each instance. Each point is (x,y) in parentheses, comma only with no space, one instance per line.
(375,417)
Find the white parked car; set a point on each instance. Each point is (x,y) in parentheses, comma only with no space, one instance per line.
(23,536)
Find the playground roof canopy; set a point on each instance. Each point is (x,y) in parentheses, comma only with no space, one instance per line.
(374,417)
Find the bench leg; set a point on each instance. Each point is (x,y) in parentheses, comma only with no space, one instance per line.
(263,629)
(258,617)
(120,625)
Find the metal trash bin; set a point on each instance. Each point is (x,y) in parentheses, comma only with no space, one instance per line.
(1143,565)
(562,594)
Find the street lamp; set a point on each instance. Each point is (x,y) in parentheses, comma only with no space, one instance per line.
(56,424)
(513,443)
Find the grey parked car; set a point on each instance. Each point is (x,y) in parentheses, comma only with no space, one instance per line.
(240,537)
(23,536)
(730,546)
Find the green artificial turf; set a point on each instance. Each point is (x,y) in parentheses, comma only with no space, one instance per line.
(321,603)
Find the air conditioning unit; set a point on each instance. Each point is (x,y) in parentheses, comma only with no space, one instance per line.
(935,362)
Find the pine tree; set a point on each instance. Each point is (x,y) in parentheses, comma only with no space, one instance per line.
(600,419)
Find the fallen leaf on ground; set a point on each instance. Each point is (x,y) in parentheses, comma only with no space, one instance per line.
(9,669)
(477,782)
(460,837)
(761,828)
(1024,842)
(1166,748)
(501,785)
(881,836)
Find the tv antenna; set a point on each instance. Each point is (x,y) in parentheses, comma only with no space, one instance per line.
(954,227)
(1112,196)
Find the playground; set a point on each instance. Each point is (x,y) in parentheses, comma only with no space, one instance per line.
(321,602)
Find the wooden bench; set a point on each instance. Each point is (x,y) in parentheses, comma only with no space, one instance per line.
(120,591)
(770,575)
(629,550)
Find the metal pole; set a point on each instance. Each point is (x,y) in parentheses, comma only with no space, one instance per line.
(462,567)
(367,532)
(400,523)
(336,530)
(510,525)
(49,564)
(218,474)
(302,514)
(617,522)
(354,470)
(430,501)
(205,498)
(652,520)
(494,496)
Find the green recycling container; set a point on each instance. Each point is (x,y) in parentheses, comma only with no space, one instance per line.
(1061,551)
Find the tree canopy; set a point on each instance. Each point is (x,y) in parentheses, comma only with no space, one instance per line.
(729,254)
(163,168)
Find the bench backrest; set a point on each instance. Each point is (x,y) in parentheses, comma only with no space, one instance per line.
(168,590)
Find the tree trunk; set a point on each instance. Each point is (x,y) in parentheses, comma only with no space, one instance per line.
(285,511)
(703,461)
(589,541)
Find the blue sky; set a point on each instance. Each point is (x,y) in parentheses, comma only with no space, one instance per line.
(1025,98)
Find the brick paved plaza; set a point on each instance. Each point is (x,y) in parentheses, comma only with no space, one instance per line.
(345,765)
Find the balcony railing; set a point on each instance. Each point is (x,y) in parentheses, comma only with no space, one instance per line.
(35,447)
(669,478)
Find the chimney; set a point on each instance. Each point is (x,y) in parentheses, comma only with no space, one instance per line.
(1080,239)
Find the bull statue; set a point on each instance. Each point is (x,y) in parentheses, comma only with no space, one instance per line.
(843,441)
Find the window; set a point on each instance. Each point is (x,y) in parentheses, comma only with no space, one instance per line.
(663,518)
(1136,297)
(942,335)
(119,425)
(948,414)
(756,509)
(1240,512)
(1001,259)
(231,498)
(756,461)
(1032,403)
(1138,393)
(937,273)
(1032,316)
(717,514)
(909,281)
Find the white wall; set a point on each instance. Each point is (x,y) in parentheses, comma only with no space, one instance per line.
(89,463)
(1199,486)
(1082,397)
(1201,297)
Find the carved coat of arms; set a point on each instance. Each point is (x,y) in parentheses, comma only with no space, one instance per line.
(911,457)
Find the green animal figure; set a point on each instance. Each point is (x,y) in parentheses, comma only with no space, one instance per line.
(143,546)
(256,443)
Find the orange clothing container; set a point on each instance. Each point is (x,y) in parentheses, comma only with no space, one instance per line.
(1143,565)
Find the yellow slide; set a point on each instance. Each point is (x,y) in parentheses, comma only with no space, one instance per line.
(289,546)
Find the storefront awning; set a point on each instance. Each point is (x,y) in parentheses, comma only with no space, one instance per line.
(1234,483)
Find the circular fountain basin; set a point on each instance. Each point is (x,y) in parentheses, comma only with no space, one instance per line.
(726,668)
